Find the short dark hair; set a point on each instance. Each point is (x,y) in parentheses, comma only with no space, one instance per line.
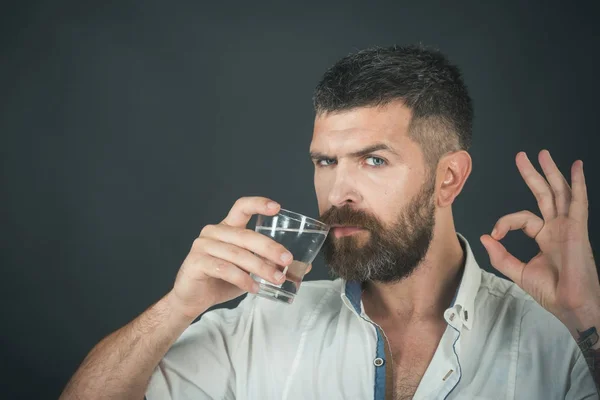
(424,79)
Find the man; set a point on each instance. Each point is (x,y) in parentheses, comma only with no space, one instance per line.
(412,314)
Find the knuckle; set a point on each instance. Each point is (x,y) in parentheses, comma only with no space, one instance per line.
(221,267)
(502,222)
(522,217)
(198,243)
(192,260)
(545,197)
(239,280)
(235,252)
(193,268)
(208,230)
(241,201)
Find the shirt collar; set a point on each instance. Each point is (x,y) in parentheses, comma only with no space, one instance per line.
(464,298)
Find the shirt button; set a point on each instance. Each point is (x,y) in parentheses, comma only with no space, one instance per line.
(378,361)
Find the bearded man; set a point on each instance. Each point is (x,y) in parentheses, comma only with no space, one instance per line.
(411,314)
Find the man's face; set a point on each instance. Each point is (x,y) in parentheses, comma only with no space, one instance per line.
(375,191)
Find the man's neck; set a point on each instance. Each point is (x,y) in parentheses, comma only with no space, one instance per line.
(427,292)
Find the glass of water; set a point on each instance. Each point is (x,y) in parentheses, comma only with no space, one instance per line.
(300,235)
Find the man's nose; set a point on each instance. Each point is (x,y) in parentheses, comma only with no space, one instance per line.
(344,190)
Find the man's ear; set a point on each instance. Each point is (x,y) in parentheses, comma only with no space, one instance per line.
(452,173)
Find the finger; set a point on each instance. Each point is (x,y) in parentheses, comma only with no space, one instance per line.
(242,258)
(578,209)
(308,269)
(538,186)
(527,221)
(245,207)
(226,271)
(558,183)
(502,260)
(255,242)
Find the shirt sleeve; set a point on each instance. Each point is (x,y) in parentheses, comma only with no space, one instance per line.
(198,366)
(550,364)
(583,386)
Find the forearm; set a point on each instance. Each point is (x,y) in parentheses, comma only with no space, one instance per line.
(585,328)
(120,366)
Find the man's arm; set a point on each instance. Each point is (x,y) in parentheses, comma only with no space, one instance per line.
(120,366)
(216,270)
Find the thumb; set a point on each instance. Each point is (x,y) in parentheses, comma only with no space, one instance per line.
(502,260)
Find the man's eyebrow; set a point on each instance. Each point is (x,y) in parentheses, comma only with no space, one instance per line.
(372,149)
(315,155)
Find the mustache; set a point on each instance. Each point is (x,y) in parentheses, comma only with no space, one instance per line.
(347,216)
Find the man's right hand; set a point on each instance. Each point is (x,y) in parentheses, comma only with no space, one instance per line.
(218,265)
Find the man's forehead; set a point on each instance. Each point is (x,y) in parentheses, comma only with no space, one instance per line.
(360,127)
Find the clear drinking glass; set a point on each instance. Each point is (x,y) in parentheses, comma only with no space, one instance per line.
(300,235)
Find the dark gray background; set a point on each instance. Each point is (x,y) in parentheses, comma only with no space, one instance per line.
(127,127)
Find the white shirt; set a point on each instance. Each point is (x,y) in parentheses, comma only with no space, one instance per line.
(499,344)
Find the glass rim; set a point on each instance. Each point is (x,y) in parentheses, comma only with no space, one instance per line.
(291,214)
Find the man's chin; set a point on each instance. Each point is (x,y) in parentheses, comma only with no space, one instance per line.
(344,274)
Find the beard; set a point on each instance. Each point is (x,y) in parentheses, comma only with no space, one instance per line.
(389,254)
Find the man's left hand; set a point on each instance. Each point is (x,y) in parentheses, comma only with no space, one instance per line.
(562,277)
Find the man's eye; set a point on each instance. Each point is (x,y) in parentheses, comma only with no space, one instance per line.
(326,161)
(375,161)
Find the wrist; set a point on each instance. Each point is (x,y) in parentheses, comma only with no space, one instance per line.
(181,314)
(581,320)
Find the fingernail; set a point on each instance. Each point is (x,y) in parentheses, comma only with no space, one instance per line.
(285,257)
(272,205)
(279,275)
(494,231)
(255,287)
